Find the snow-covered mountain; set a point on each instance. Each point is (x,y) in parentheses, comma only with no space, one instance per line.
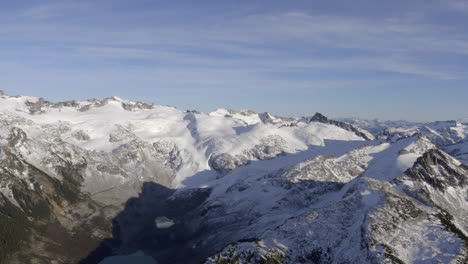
(376,126)
(84,180)
(451,136)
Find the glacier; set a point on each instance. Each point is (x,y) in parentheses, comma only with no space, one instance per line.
(107,180)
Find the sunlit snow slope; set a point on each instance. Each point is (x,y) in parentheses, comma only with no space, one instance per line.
(115,177)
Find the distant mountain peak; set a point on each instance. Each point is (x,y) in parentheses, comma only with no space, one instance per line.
(319,117)
(183,185)
(38,105)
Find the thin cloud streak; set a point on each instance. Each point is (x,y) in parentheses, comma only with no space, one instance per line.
(245,36)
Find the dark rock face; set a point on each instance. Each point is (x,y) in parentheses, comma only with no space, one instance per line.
(255,252)
(439,182)
(318,117)
(81,135)
(17,137)
(438,170)
(39,106)
(269,147)
(267,118)
(35,107)
(224,163)
(63,223)
(137,106)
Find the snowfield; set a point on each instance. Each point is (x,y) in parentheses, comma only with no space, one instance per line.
(239,185)
(197,136)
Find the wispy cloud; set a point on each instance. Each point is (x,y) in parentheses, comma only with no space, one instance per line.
(267,49)
(259,40)
(52,9)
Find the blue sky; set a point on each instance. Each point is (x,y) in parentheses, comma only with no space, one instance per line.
(370,59)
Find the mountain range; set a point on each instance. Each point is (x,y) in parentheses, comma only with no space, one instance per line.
(116,181)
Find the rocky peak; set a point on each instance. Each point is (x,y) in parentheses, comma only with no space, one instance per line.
(439,170)
(133,106)
(267,118)
(318,117)
(246,112)
(41,105)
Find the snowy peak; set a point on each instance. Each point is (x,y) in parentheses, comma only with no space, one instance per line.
(440,181)
(268,118)
(233,185)
(38,105)
(318,117)
(312,216)
(439,170)
(451,136)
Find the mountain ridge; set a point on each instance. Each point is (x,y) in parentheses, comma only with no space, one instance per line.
(225,186)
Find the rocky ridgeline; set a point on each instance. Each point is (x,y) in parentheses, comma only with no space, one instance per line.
(41,105)
(310,190)
(318,117)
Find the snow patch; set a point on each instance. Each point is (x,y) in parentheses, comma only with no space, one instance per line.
(163,222)
(406,161)
(370,199)
(137,258)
